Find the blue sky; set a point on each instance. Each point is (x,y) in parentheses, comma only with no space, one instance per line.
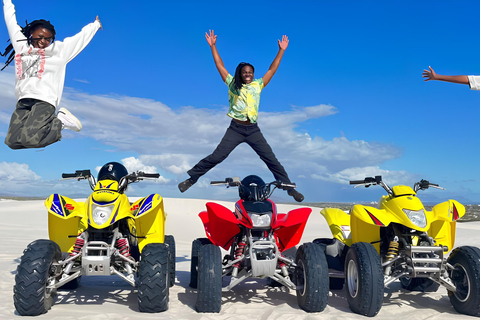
(348,100)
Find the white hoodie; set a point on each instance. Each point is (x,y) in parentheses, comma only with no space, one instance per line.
(40,73)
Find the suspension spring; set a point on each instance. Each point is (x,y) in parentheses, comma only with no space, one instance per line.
(392,250)
(77,247)
(239,253)
(123,247)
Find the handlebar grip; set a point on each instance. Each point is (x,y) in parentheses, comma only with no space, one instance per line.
(69,175)
(151,175)
(357,182)
(217,182)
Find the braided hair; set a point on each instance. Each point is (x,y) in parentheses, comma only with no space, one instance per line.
(238,74)
(27,32)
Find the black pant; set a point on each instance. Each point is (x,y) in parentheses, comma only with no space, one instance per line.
(236,134)
(33,125)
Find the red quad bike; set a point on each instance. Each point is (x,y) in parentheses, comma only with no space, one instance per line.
(255,236)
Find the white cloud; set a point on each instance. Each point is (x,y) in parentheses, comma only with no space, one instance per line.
(11,173)
(360,173)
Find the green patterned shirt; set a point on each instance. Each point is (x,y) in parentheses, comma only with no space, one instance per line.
(244,102)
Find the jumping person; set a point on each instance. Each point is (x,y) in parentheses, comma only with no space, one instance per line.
(244,97)
(472,81)
(40,64)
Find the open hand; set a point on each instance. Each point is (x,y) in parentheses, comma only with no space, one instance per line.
(284,43)
(211,38)
(429,74)
(98,19)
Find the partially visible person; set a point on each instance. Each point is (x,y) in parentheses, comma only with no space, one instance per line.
(472,81)
(40,65)
(244,98)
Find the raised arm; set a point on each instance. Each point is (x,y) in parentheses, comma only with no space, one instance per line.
(212,40)
(282,46)
(14,30)
(431,75)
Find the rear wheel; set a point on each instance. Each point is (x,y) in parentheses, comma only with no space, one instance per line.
(466,278)
(196,245)
(209,296)
(170,240)
(35,272)
(153,278)
(311,278)
(364,279)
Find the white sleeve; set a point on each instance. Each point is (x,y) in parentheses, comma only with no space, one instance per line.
(474,82)
(74,45)
(14,30)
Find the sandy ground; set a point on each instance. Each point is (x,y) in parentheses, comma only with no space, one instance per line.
(109,297)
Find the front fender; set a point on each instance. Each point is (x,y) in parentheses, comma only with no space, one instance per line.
(150,217)
(288,229)
(443,226)
(66,219)
(221,225)
(365,224)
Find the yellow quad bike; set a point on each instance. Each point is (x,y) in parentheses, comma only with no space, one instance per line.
(402,241)
(105,235)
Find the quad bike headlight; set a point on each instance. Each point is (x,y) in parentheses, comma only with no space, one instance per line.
(100,214)
(418,218)
(261,220)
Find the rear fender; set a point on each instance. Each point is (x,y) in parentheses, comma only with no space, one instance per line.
(150,219)
(443,226)
(220,224)
(66,220)
(288,229)
(339,223)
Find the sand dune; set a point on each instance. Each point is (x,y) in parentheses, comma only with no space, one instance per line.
(105,297)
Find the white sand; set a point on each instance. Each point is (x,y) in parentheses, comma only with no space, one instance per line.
(106,297)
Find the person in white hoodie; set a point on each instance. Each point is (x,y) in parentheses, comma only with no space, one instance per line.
(40,64)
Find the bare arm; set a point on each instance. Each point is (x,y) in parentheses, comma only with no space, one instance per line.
(212,40)
(431,75)
(282,46)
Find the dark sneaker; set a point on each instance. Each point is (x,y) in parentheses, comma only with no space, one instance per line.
(183,186)
(295,194)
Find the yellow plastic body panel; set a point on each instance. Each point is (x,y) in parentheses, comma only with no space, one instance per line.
(339,223)
(442,229)
(149,220)
(66,219)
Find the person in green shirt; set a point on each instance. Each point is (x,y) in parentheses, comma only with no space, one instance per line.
(244,98)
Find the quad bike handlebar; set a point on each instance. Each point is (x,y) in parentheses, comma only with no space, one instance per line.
(235,182)
(377,180)
(122,184)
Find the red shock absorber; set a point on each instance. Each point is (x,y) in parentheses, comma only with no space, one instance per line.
(77,247)
(122,245)
(239,253)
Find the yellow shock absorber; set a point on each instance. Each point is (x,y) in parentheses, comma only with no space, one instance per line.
(392,250)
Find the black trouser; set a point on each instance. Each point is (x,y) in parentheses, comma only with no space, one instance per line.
(236,134)
(33,125)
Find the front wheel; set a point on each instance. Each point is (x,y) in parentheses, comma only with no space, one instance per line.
(466,278)
(209,295)
(364,279)
(311,278)
(170,241)
(153,278)
(35,272)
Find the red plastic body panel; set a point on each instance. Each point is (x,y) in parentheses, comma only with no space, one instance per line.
(220,223)
(288,228)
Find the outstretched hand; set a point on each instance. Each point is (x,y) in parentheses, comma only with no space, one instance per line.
(98,19)
(429,74)
(211,38)
(284,43)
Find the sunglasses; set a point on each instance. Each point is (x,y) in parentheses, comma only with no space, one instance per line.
(48,39)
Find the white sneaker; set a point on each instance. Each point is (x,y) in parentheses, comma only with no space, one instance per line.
(69,121)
